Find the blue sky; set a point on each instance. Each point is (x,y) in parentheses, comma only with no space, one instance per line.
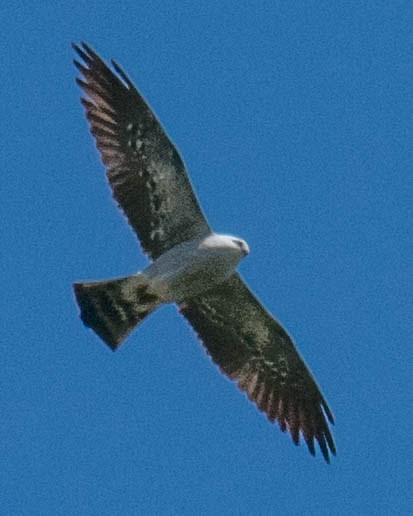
(295,121)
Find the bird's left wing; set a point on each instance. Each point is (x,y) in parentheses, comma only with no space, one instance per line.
(146,173)
(251,347)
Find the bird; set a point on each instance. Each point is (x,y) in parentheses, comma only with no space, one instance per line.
(190,264)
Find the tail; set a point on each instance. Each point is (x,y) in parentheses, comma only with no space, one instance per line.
(113,308)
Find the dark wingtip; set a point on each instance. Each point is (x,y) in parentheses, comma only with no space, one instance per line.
(327,411)
(330,441)
(87,48)
(323,447)
(122,74)
(114,346)
(310,445)
(84,51)
(82,84)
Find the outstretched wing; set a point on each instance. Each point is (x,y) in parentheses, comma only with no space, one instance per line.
(251,347)
(144,169)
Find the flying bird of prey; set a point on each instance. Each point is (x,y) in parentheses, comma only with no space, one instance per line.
(192,265)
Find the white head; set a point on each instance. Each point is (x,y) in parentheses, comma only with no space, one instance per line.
(228,242)
(241,245)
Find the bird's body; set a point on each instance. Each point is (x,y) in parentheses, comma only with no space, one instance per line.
(192,265)
(191,268)
(113,308)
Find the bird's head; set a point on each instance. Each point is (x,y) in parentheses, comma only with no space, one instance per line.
(241,245)
(237,247)
(235,244)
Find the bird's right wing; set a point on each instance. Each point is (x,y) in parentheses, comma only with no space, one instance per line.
(253,349)
(146,173)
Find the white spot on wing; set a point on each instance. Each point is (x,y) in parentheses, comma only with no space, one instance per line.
(155,232)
